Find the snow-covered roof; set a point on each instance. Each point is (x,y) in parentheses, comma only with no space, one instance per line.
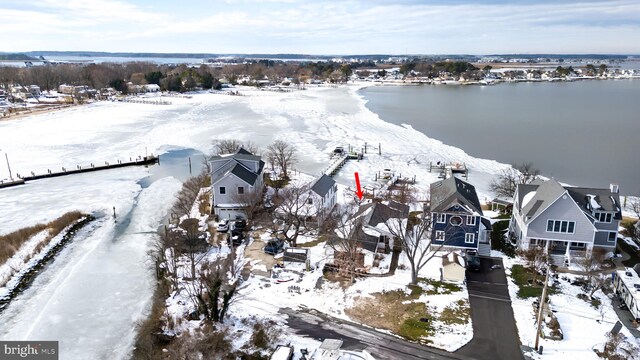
(631,281)
(453,258)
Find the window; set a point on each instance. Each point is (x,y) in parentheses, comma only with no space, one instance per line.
(612,236)
(469,238)
(442,218)
(223,190)
(603,217)
(439,235)
(561,226)
(455,220)
(309,201)
(240,190)
(471,220)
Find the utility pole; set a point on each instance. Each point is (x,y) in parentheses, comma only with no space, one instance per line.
(542,300)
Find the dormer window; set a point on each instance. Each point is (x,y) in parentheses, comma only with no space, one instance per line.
(603,217)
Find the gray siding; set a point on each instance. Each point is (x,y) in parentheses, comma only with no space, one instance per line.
(250,164)
(612,226)
(601,239)
(563,209)
(231,184)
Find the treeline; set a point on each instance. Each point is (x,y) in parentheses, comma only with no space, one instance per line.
(434,69)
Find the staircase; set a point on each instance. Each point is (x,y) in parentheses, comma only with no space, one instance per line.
(557,260)
(484,249)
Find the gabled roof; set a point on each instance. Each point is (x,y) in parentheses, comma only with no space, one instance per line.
(446,192)
(605,199)
(377,213)
(323,185)
(244,174)
(534,199)
(453,258)
(233,166)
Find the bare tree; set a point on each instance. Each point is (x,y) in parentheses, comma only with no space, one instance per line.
(215,289)
(188,195)
(283,155)
(193,244)
(414,235)
(251,201)
(506,183)
(343,233)
(591,265)
(295,208)
(536,258)
(231,146)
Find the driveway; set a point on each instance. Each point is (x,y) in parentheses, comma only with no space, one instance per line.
(495,335)
(381,346)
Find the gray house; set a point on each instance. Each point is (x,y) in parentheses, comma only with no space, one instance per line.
(568,222)
(232,177)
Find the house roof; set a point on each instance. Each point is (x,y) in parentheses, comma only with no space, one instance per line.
(534,199)
(323,185)
(453,258)
(377,213)
(444,192)
(233,166)
(604,199)
(244,174)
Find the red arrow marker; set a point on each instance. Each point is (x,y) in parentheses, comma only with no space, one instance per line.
(359,191)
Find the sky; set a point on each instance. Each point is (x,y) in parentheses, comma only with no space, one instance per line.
(322,27)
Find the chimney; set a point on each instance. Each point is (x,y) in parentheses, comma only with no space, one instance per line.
(615,188)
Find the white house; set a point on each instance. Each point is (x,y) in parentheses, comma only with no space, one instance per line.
(323,196)
(234,175)
(568,222)
(151,88)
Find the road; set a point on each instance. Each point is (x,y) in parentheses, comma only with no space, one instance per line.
(357,337)
(495,335)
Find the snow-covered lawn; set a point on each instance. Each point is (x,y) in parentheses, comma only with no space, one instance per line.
(583,325)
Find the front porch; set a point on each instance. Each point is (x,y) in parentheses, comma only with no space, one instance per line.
(562,252)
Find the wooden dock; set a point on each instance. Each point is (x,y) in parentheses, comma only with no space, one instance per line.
(141,160)
(447,170)
(335,166)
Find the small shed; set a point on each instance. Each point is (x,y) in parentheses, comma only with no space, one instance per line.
(453,267)
(500,205)
(296,258)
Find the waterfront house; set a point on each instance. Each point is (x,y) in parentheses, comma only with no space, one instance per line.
(373,234)
(232,176)
(322,196)
(457,218)
(568,222)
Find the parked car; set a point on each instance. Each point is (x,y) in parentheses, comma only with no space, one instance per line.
(473,261)
(235,237)
(274,246)
(240,224)
(223,226)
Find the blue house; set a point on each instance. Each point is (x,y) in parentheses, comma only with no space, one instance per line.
(457,219)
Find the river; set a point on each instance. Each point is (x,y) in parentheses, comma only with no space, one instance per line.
(584,133)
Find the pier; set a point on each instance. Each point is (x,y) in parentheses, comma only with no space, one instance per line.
(447,170)
(140,160)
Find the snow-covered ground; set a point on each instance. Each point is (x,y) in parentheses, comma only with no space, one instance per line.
(99,286)
(583,326)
